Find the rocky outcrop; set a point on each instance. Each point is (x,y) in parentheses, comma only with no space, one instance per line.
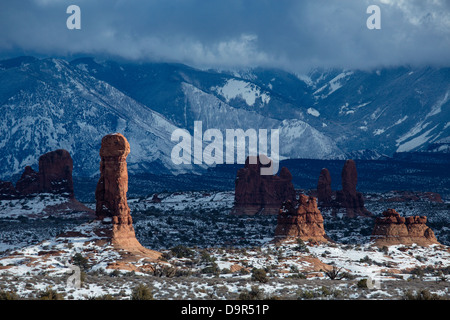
(28,183)
(55,172)
(111,196)
(301,219)
(261,194)
(348,197)
(392,229)
(7,191)
(407,196)
(54,176)
(324,191)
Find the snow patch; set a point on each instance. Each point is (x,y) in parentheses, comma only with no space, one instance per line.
(313,112)
(247,91)
(416,142)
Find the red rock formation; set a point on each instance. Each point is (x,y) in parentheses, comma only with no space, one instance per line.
(55,172)
(29,182)
(324,192)
(155,199)
(54,176)
(406,196)
(112,187)
(392,229)
(111,196)
(261,194)
(7,191)
(348,197)
(301,220)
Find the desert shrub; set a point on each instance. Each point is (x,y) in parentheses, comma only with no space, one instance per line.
(301,246)
(362,284)
(102,297)
(212,269)
(305,294)
(80,261)
(243,272)
(115,273)
(181,251)
(259,275)
(418,272)
(50,294)
(7,295)
(255,293)
(421,295)
(206,257)
(141,292)
(334,273)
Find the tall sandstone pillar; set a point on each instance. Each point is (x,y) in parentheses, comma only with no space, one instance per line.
(111,194)
(112,187)
(348,197)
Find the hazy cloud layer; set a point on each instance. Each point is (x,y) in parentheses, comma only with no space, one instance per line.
(290,34)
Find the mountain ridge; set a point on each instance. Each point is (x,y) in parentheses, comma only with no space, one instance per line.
(326,114)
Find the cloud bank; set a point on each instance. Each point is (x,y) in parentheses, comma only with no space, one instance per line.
(289,34)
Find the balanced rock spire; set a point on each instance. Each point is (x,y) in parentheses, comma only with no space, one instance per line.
(111,196)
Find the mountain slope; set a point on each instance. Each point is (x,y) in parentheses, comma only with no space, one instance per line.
(58,106)
(386,111)
(325,114)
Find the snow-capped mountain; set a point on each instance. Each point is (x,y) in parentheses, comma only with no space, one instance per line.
(388,110)
(52,103)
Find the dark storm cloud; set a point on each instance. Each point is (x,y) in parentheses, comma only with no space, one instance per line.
(290,34)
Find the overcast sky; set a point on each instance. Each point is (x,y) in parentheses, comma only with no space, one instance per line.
(290,34)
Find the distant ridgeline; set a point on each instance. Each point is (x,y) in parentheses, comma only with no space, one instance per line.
(405,171)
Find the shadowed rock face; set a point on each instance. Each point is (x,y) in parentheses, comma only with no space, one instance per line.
(261,194)
(7,191)
(55,172)
(301,219)
(324,192)
(28,182)
(348,197)
(392,229)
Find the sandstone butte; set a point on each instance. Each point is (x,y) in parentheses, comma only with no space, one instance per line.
(111,198)
(392,229)
(301,219)
(261,194)
(54,176)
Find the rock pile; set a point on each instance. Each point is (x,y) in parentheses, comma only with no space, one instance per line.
(392,229)
(261,194)
(301,219)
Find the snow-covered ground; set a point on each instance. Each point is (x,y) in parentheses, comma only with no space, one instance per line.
(210,254)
